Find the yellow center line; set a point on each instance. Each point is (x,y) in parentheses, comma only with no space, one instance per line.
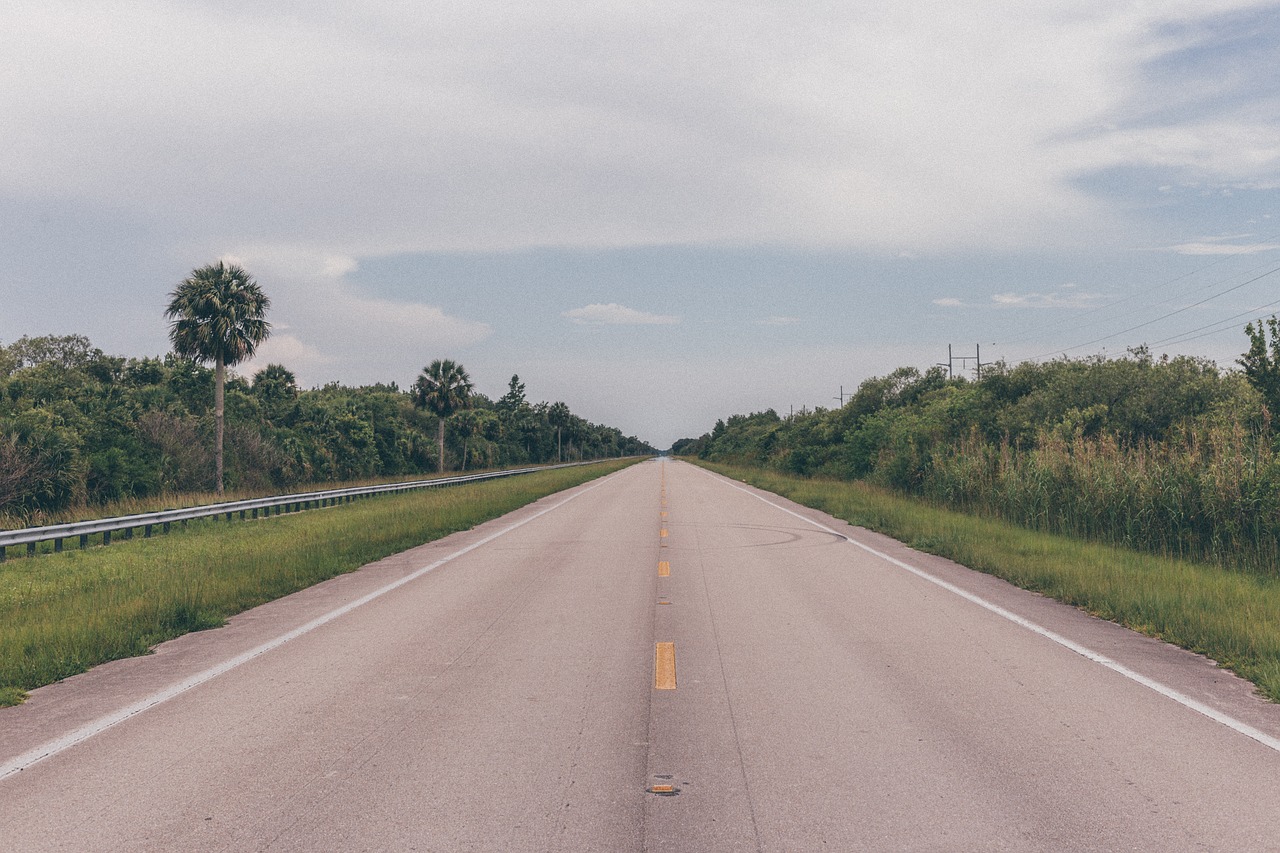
(664,569)
(664,533)
(662,514)
(664,666)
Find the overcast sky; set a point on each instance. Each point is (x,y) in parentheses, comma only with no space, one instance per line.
(661,213)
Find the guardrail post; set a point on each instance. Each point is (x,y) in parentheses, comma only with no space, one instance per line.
(1,553)
(146,532)
(84,541)
(229,515)
(242,515)
(128,533)
(106,537)
(57,545)
(165,528)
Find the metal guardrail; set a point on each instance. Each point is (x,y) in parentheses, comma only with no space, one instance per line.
(277,505)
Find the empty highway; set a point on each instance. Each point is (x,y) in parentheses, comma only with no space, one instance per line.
(662,659)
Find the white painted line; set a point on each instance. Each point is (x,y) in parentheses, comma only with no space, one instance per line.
(1164,690)
(101,724)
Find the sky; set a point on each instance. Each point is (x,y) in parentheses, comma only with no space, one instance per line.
(661,213)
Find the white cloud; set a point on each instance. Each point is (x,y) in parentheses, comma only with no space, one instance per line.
(302,359)
(337,332)
(1070,299)
(913,126)
(1211,248)
(614,314)
(948,302)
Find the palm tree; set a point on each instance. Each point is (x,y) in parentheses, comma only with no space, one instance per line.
(558,416)
(216,314)
(444,388)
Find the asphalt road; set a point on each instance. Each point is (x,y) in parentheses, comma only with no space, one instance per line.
(659,660)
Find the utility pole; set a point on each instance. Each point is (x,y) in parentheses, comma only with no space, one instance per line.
(841,397)
(964,360)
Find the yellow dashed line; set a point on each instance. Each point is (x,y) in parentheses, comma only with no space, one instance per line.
(664,666)
(663,534)
(664,569)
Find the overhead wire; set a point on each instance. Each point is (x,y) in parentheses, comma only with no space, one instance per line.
(1243,250)
(1063,351)
(1219,325)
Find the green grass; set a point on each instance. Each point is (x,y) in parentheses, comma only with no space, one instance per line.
(182,500)
(1232,617)
(61,614)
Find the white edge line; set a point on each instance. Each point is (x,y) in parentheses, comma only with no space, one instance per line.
(1163,689)
(101,724)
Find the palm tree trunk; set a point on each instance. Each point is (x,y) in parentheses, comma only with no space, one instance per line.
(440,440)
(219,380)
(559,458)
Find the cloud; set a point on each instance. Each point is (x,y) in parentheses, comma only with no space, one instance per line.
(1211,248)
(338,333)
(948,302)
(288,350)
(614,314)
(906,127)
(1070,299)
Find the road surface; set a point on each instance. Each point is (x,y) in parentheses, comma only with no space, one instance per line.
(659,660)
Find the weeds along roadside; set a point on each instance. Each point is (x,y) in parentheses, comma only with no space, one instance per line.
(1232,617)
(62,614)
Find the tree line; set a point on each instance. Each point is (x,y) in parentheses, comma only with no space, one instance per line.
(1173,455)
(79,427)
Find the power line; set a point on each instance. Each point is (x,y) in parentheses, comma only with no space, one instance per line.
(1219,326)
(1243,250)
(1157,319)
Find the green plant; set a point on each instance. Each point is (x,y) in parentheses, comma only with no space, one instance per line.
(64,613)
(218,314)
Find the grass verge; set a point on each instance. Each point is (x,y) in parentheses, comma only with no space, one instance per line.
(182,500)
(1232,617)
(62,614)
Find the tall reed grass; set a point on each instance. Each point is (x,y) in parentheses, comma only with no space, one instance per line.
(1211,494)
(61,614)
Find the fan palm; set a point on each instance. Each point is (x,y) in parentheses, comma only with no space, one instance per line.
(443,387)
(559,416)
(217,314)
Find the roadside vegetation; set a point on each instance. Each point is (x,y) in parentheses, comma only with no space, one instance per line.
(1174,457)
(81,430)
(1232,617)
(64,613)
